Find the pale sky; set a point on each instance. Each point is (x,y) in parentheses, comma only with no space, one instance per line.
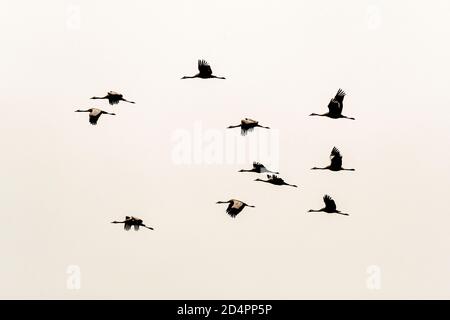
(64,180)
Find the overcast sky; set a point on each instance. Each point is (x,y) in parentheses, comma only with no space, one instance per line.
(168,158)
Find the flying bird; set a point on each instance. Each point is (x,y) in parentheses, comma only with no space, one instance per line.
(235,207)
(258,168)
(335,107)
(330,206)
(336,162)
(94,114)
(113,98)
(273,179)
(132,221)
(204,71)
(247,125)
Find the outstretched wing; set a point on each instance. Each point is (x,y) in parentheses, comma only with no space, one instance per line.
(275,178)
(258,166)
(329,202)
(234,208)
(204,68)
(127,226)
(336,158)
(232,211)
(93,119)
(340,96)
(334,107)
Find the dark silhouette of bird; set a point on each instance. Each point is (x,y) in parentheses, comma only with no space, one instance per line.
(330,206)
(258,168)
(235,207)
(94,114)
(335,107)
(204,72)
(132,221)
(336,162)
(273,179)
(113,98)
(247,125)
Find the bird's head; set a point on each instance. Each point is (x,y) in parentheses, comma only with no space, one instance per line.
(242,170)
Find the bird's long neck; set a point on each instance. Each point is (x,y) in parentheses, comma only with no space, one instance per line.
(248,205)
(236,126)
(312,210)
(245,170)
(222,201)
(82,111)
(262,126)
(345,117)
(217,77)
(105,97)
(317,168)
(345,169)
(319,115)
(342,213)
(261,180)
(190,77)
(118,222)
(125,100)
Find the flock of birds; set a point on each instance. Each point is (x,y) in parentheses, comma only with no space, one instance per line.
(335,108)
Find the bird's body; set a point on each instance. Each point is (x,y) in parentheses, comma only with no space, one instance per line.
(113,98)
(275,180)
(94,114)
(235,207)
(336,162)
(330,206)
(335,107)
(258,168)
(246,125)
(131,221)
(204,72)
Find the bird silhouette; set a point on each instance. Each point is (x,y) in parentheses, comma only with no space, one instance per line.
(235,207)
(258,168)
(113,98)
(132,221)
(94,114)
(335,107)
(273,179)
(247,125)
(204,72)
(330,206)
(336,162)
